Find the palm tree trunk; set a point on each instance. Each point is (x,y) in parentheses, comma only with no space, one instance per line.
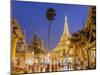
(49,34)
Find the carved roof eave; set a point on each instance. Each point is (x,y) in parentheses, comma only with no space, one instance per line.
(91,45)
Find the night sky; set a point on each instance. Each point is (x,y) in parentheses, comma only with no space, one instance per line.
(32,17)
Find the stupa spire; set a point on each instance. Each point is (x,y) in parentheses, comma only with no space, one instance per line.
(66,30)
(64,41)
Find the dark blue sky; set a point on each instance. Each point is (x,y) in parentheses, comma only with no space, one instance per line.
(32,17)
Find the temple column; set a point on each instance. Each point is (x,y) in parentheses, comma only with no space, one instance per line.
(14,43)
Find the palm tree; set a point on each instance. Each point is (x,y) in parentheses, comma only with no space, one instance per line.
(50,14)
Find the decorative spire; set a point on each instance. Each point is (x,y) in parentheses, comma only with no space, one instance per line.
(66,30)
(24,32)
